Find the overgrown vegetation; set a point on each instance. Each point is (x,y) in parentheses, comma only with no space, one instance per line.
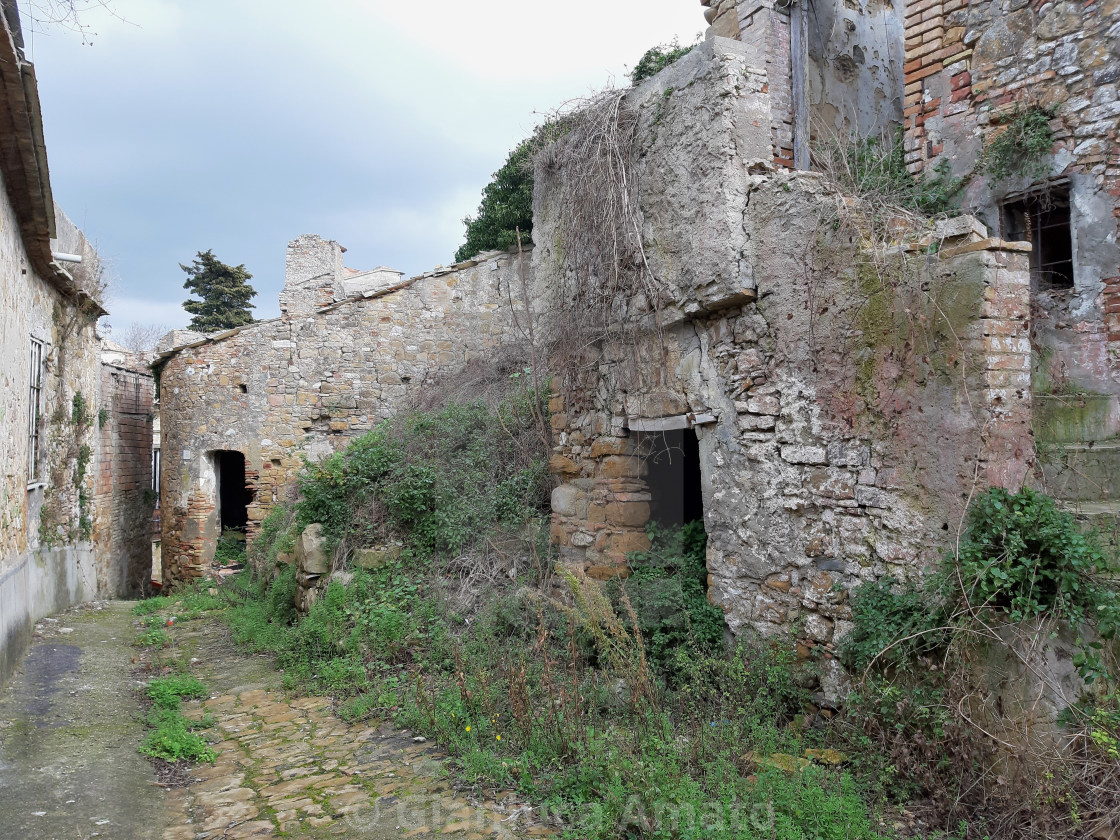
(618,709)
(67,515)
(230,550)
(507,205)
(669,593)
(657,59)
(874,170)
(173,736)
(446,478)
(1024,576)
(1023,146)
(562,703)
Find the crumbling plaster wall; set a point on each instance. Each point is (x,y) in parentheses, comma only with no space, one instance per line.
(45,564)
(838,443)
(852,57)
(970,67)
(855,75)
(304,385)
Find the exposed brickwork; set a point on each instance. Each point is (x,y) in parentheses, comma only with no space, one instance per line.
(766,30)
(122,528)
(969,68)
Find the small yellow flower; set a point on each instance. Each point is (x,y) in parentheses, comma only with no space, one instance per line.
(499,737)
(468,729)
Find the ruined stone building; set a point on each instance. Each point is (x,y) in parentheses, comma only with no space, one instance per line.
(71,431)
(955,75)
(826,401)
(242,409)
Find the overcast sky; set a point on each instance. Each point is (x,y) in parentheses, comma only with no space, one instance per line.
(237,125)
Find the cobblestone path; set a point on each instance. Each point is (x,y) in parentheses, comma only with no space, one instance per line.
(286,767)
(293,767)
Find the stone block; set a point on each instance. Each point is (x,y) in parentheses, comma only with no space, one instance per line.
(627,542)
(815,455)
(622,466)
(609,446)
(568,500)
(628,514)
(607,572)
(764,405)
(562,465)
(375,558)
(311,551)
(757,422)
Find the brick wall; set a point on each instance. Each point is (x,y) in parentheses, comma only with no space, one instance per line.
(122,490)
(766,31)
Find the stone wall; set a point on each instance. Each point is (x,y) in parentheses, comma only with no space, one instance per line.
(123,498)
(840,400)
(306,384)
(46,561)
(970,68)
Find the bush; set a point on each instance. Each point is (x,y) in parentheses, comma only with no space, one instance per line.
(446,479)
(275,537)
(874,169)
(895,624)
(669,593)
(657,59)
(1023,147)
(230,550)
(1023,555)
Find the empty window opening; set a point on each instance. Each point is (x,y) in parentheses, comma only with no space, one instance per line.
(234,496)
(673,462)
(1043,219)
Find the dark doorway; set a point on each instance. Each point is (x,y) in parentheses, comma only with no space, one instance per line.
(233,496)
(673,462)
(1043,219)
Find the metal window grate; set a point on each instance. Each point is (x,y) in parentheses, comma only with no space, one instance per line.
(35,391)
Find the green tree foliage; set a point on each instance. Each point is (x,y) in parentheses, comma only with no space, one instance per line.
(657,59)
(507,204)
(224,291)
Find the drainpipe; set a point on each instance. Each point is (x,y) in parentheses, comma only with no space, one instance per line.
(799,59)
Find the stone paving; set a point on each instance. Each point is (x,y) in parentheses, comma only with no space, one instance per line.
(288,767)
(70,726)
(292,767)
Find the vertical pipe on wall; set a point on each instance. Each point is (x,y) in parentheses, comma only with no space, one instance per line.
(799,59)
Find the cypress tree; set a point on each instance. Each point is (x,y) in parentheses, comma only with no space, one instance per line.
(224,291)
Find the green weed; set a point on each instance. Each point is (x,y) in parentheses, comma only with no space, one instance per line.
(153,637)
(150,605)
(172,737)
